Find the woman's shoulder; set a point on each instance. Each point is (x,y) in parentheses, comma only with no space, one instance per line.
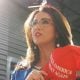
(20,74)
(21,70)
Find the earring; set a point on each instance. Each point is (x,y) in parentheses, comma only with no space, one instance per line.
(35,47)
(58,45)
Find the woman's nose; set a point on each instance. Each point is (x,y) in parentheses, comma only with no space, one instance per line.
(37,26)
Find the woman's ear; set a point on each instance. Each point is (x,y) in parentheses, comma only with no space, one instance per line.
(57,36)
(57,40)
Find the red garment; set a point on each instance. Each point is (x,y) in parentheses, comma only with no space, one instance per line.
(63,63)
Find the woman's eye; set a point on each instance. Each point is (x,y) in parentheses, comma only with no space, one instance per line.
(45,22)
(34,23)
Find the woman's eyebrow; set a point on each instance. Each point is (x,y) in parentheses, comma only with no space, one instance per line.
(42,19)
(45,19)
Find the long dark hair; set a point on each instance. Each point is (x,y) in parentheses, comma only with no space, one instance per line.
(62,26)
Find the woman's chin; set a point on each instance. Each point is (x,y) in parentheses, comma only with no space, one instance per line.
(38,42)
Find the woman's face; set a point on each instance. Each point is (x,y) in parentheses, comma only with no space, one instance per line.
(42,29)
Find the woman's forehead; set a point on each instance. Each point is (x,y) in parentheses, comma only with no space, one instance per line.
(41,15)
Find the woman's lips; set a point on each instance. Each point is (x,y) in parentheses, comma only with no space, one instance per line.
(38,34)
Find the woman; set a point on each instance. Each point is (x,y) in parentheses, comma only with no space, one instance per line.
(51,54)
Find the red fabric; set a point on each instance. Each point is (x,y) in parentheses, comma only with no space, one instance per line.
(63,63)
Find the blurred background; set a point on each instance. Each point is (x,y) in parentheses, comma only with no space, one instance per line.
(13,14)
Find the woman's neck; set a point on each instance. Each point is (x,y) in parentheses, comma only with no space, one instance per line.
(45,51)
